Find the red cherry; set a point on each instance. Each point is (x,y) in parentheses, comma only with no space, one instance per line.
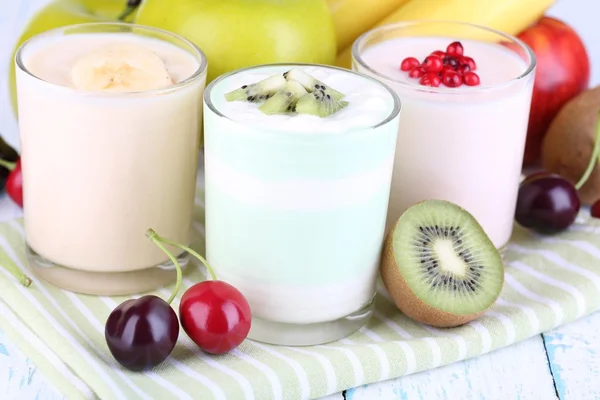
(463,69)
(433,64)
(471,79)
(439,53)
(215,315)
(455,49)
(416,72)
(14,184)
(452,79)
(595,209)
(409,63)
(467,61)
(431,79)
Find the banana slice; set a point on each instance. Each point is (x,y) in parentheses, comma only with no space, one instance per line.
(120,68)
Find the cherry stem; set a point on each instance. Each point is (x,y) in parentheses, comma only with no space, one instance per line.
(9,165)
(16,272)
(593,160)
(159,241)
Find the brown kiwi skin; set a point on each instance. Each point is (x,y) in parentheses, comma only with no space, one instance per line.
(407,301)
(569,142)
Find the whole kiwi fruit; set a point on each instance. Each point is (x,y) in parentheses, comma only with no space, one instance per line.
(569,143)
(439,266)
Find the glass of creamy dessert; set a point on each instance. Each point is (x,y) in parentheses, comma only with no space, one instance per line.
(298,166)
(466,93)
(110,117)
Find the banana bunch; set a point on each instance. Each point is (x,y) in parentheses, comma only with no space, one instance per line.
(353,17)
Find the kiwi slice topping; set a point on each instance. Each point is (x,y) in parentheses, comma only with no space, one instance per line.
(439,265)
(311,84)
(294,91)
(258,91)
(319,103)
(285,100)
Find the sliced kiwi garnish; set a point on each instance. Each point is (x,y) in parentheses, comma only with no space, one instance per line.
(310,83)
(285,100)
(259,91)
(292,91)
(319,103)
(439,265)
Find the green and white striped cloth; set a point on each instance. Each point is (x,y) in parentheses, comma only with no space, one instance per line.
(549,281)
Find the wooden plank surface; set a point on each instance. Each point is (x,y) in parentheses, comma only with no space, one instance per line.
(516,372)
(574,356)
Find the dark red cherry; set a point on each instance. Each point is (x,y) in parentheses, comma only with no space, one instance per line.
(547,203)
(141,333)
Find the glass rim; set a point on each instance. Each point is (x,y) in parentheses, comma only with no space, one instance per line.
(357,57)
(197,53)
(393,114)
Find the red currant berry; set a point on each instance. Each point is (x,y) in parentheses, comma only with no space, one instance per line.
(416,72)
(433,64)
(452,79)
(463,69)
(467,61)
(430,79)
(471,79)
(409,63)
(455,49)
(451,61)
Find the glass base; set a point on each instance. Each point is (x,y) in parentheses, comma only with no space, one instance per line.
(104,283)
(286,334)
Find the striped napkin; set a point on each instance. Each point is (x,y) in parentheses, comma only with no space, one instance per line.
(549,281)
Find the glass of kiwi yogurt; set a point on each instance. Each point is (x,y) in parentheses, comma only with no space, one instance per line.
(298,166)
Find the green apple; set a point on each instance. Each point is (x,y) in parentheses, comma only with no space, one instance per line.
(61,13)
(240,33)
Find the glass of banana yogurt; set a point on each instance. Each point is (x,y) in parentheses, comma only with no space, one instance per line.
(109,118)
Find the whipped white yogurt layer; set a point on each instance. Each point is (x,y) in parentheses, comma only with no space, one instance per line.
(370,103)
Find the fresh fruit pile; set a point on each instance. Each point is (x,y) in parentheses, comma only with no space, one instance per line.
(141,333)
(439,266)
(451,68)
(294,91)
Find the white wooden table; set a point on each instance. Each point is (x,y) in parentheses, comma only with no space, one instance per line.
(564,363)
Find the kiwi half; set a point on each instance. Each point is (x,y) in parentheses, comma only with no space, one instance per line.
(439,266)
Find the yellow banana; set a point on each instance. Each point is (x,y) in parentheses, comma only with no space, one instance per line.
(353,17)
(508,16)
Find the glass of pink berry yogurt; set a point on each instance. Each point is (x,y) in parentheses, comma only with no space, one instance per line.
(466,92)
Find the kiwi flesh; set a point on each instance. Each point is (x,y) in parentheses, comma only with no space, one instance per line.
(310,83)
(439,266)
(285,100)
(259,91)
(320,104)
